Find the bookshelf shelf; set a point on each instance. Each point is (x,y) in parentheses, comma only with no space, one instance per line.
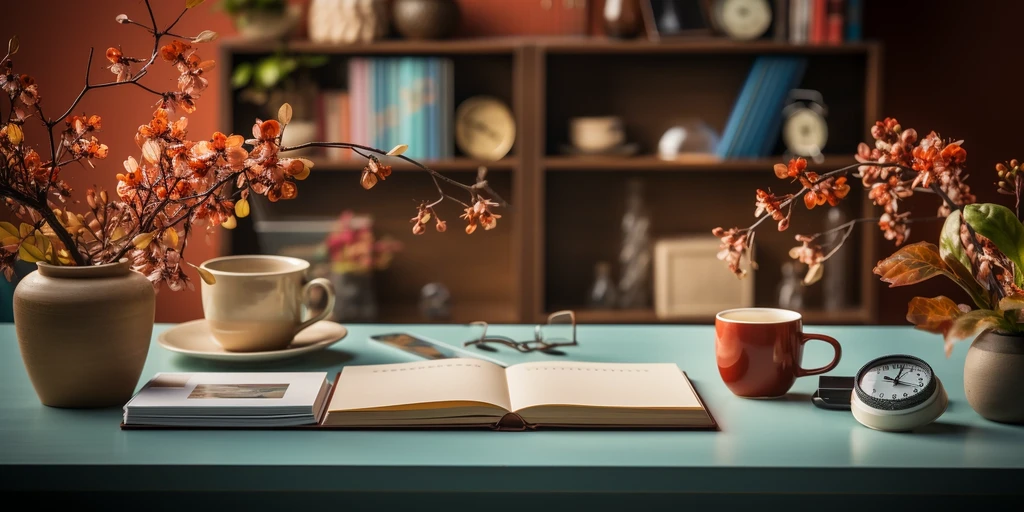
(652,163)
(446,165)
(566,209)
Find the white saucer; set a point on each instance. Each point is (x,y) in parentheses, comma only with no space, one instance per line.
(194,339)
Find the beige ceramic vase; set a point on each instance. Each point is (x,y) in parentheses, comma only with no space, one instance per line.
(994,377)
(84,332)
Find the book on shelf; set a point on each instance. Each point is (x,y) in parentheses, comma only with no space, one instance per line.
(435,394)
(753,127)
(819,21)
(403,100)
(212,399)
(335,122)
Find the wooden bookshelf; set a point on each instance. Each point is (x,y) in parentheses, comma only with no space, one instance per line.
(566,208)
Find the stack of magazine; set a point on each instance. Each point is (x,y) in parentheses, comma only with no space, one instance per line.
(269,399)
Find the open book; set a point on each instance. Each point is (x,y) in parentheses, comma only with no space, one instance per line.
(472,392)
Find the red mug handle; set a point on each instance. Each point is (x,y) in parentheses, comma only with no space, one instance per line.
(803,372)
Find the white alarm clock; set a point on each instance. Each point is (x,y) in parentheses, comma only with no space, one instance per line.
(804,129)
(742,19)
(897,393)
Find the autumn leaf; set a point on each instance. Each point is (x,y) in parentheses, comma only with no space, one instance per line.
(205,275)
(398,150)
(1013,302)
(151,151)
(192,3)
(13,45)
(29,252)
(14,134)
(7,229)
(242,208)
(911,264)
(170,238)
(814,274)
(935,315)
(971,324)
(284,114)
(231,223)
(205,37)
(142,240)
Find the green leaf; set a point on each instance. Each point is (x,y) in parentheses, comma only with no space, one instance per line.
(935,315)
(950,245)
(313,61)
(911,264)
(241,75)
(268,73)
(971,324)
(999,224)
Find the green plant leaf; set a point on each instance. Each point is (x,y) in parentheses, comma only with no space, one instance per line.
(971,324)
(241,76)
(911,264)
(313,61)
(1012,303)
(935,315)
(950,245)
(268,72)
(999,224)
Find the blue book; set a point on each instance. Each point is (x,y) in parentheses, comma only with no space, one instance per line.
(796,67)
(447,93)
(854,19)
(417,119)
(432,124)
(739,109)
(750,132)
(406,105)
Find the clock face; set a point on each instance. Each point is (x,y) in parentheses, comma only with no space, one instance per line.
(484,128)
(805,132)
(896,379)
(743,19)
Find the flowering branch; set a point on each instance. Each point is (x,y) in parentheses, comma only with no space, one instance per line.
(176,185)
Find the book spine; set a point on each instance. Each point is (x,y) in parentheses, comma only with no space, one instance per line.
(448,93)
(393,101)
(854,19)
(331,123)
(836,17)
(321,118)
(355,99)
(344,123)
(727,142)
(819,21)
(417,119)
(780,13)
(752,132)
(404,107)
(430,119)
(370,130)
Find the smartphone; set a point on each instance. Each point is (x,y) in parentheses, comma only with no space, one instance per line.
(427,348)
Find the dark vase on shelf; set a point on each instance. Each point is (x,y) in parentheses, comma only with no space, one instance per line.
(425,19)
(356,297)
(622,18)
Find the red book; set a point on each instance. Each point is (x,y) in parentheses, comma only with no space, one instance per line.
(836,21)
(819,21)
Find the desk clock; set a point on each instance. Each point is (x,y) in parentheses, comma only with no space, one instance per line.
(897,393)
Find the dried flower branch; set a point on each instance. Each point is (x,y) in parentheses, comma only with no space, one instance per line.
(175,185)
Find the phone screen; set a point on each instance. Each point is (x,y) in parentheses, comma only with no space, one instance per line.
(425,348)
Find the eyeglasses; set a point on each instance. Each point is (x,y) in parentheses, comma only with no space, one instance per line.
(560,331)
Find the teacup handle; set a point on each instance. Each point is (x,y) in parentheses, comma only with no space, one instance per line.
(329,289)
(803,372)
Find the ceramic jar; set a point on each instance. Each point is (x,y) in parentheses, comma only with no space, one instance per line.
(425,19)
(623,18)
(994,376)
(348,21)
(258,25)
(84,332)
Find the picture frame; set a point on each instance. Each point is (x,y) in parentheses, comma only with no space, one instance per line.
(676,19)
(691,283)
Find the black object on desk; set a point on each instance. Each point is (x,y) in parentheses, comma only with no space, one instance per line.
(833,392)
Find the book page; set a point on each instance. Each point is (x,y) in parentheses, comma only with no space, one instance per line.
(444,383)
(619,385)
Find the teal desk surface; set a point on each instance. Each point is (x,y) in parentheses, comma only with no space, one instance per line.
(764,446)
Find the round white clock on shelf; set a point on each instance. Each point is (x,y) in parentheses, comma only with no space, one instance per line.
(484,128)
(897,393)
(742,19)
(804,129)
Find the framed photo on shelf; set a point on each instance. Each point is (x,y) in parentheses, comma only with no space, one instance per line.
(671,19)
(690,282)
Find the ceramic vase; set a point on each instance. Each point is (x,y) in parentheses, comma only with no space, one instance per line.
(994,376)
(425,19)
(84,332)
(348,21)
(623,18)
(257,25)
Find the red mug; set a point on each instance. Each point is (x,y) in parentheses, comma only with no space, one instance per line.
(759,350)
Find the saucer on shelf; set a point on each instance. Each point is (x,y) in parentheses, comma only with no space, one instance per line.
(626,149)
(194,339)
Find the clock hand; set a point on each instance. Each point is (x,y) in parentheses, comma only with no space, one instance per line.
(481,127)
(899,382)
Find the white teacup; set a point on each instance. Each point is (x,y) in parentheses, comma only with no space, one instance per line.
(596,134)
(258,301)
